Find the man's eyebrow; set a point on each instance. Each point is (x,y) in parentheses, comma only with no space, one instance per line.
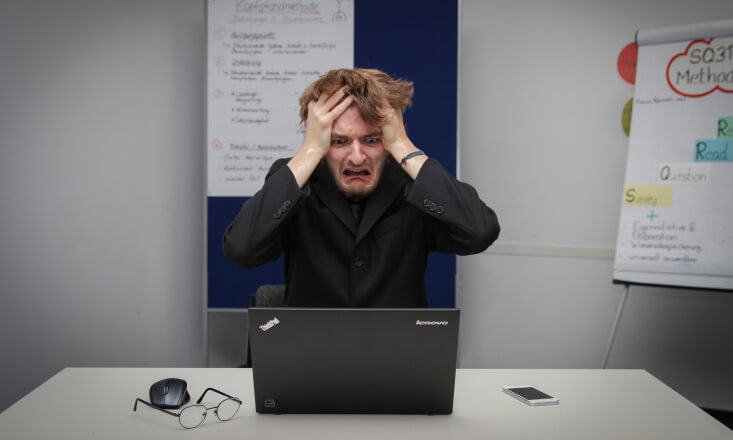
(345,136)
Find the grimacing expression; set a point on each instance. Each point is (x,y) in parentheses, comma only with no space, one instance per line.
(356,157)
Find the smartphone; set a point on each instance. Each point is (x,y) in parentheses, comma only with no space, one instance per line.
(530,395)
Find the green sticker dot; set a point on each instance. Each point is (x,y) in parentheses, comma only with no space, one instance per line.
(626,116)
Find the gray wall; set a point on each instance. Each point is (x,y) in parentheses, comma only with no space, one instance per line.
(541,139)
(101,186)
(102,190)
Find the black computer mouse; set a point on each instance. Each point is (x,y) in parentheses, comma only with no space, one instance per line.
(169,393)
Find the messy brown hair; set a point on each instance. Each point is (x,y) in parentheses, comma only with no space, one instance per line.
(370,88)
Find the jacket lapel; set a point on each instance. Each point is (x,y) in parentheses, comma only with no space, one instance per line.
(390,185)
(327,191)
(392,182)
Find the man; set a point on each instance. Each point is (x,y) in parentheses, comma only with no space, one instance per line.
(359,207)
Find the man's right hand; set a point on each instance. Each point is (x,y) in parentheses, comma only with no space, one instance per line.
(321,115)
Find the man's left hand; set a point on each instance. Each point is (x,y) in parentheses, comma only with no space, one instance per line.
(396,142)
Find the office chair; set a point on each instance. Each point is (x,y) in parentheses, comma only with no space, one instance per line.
(268,295)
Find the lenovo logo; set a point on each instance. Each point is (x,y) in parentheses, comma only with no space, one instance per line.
(418,322)
(269,324)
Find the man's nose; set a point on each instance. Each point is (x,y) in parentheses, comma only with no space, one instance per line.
(356,154)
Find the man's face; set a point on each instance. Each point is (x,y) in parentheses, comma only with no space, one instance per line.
(356,157)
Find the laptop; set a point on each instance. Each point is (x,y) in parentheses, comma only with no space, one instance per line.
(353,361)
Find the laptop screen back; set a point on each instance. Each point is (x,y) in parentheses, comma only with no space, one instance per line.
(387,361)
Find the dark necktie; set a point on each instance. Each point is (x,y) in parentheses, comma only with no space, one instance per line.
(357,210)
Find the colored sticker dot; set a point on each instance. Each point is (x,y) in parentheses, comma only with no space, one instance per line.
(626,62)
(626,116)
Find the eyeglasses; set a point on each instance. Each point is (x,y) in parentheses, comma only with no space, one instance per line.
(192,416)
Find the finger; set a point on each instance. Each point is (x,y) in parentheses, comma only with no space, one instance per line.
(341,107)
(321,99)
(325,103)
(316,104)
(390,116)
(334,99)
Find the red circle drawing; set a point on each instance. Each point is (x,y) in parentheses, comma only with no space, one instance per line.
(626,62)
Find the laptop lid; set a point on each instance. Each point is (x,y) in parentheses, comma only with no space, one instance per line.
(349,361)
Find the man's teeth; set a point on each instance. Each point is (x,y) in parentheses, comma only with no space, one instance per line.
(357,172)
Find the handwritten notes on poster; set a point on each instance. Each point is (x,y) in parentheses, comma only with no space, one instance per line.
(676,225)
(261,57)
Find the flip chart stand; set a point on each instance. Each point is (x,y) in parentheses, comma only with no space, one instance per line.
(615,324)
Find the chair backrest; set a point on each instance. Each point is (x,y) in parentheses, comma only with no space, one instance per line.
(269,295)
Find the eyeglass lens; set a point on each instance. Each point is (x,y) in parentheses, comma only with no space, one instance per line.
(227,409)
(192,416)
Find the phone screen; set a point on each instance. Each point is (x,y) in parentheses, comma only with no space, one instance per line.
(530,393)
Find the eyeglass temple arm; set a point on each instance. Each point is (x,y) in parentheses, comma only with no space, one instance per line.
(154,407)
(216,391)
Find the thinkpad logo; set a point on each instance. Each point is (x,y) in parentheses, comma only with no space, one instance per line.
(269,324)
(418,322)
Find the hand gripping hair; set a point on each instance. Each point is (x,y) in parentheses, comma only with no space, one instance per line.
(371,89)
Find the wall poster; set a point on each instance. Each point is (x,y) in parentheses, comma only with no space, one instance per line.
(261,55)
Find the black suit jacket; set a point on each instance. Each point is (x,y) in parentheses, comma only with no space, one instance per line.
(330,261)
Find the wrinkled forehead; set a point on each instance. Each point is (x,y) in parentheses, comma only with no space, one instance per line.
(352,124)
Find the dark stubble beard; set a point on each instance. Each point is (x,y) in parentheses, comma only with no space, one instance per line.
(356,195)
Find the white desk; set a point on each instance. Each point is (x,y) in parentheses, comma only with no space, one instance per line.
(85,403)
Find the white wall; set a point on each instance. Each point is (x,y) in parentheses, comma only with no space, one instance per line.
(541,139)
(101,186)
